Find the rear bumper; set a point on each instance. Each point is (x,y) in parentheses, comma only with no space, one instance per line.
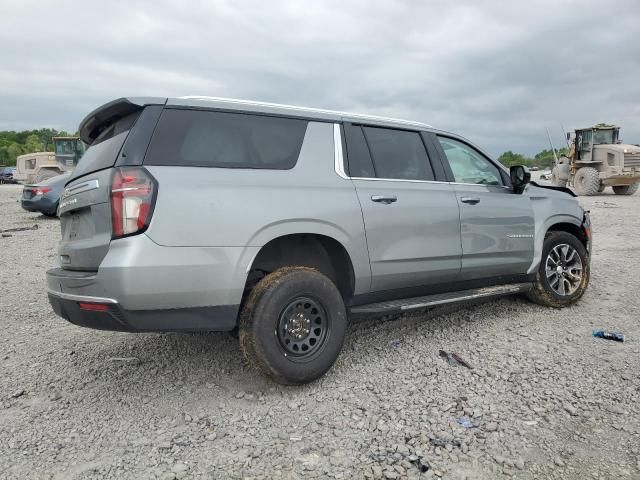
(112,316)
(149,287)
(40,204)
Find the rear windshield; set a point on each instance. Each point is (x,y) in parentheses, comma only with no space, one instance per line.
(104,150)
(228,140)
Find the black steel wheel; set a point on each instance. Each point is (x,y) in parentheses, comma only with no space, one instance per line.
(292,325)
(303,327)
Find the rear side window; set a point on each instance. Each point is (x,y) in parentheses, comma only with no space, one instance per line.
(228,140)
(358,158)
(398,154)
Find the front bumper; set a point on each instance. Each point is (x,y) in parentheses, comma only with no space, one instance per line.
(588,230)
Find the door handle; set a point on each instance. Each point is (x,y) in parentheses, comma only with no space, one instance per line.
(470,200)
(386,199)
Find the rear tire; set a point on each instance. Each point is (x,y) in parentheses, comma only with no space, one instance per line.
(572,278)
(292,325)
(555,179)
(587,181)
(625,189)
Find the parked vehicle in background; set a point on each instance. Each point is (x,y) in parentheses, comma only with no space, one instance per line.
(205,214)
(546,175)
(534,168)
(7,174)
(44,196)
(38,166)
(598,159)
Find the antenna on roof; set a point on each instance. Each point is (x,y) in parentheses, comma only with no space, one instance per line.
(564,135)
(551,143)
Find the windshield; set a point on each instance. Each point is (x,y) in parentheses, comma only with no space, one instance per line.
(65,147)
(604,136)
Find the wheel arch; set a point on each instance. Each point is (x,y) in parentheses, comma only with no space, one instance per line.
(311,249)
(560,222)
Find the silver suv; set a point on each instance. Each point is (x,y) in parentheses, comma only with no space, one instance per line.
(208,214)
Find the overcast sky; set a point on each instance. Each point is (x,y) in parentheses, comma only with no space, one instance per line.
(497,72)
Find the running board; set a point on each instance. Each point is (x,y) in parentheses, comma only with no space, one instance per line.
(407,304)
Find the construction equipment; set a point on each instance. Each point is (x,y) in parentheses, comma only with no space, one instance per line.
(598,159)
(38,166)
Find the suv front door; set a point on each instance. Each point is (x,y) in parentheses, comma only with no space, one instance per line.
(497,225)
(411,217)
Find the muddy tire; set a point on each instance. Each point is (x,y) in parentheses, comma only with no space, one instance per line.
(625,189)
(601,188)
(587,181)
(555,179)
(45,175)
(564,271)
(292,325)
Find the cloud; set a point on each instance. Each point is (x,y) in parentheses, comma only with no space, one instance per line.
(496,72)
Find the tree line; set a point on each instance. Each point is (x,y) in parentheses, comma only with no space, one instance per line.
(543,159)
(13,144)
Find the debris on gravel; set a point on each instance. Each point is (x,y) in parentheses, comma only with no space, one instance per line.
(546,399)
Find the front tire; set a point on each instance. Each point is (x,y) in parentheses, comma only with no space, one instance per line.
(587,181)
(292,325)
(625,189)
(564,271)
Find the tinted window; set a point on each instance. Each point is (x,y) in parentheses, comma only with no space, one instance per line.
(398,154)
(358,156)
(228,140)
(104,150)
(468,165)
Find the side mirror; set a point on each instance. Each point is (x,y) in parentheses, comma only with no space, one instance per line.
(520,176)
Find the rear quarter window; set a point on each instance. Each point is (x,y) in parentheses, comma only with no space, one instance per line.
(104,150)
(225,140)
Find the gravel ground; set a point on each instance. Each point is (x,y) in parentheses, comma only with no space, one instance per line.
(546,399)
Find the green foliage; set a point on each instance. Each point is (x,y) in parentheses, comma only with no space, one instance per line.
(509,159)
(543,159)
(13,144)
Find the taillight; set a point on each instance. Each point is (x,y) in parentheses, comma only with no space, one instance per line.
(40,191)
(133,193)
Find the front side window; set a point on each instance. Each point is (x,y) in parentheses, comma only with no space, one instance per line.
(398,154)
(469,165)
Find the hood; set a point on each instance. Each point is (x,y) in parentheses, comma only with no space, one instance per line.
(621,147)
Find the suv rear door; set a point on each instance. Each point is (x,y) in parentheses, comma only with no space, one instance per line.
(497,226)
(411,217)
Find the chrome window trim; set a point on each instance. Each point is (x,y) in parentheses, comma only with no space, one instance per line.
(396,180)
(337,152)
(340,170)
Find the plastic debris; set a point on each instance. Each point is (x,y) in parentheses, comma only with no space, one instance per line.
(616,337)
(460,360)
(454,359)
(19,229)
(466,422)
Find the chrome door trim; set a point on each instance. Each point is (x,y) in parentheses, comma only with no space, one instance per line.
(337,154)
